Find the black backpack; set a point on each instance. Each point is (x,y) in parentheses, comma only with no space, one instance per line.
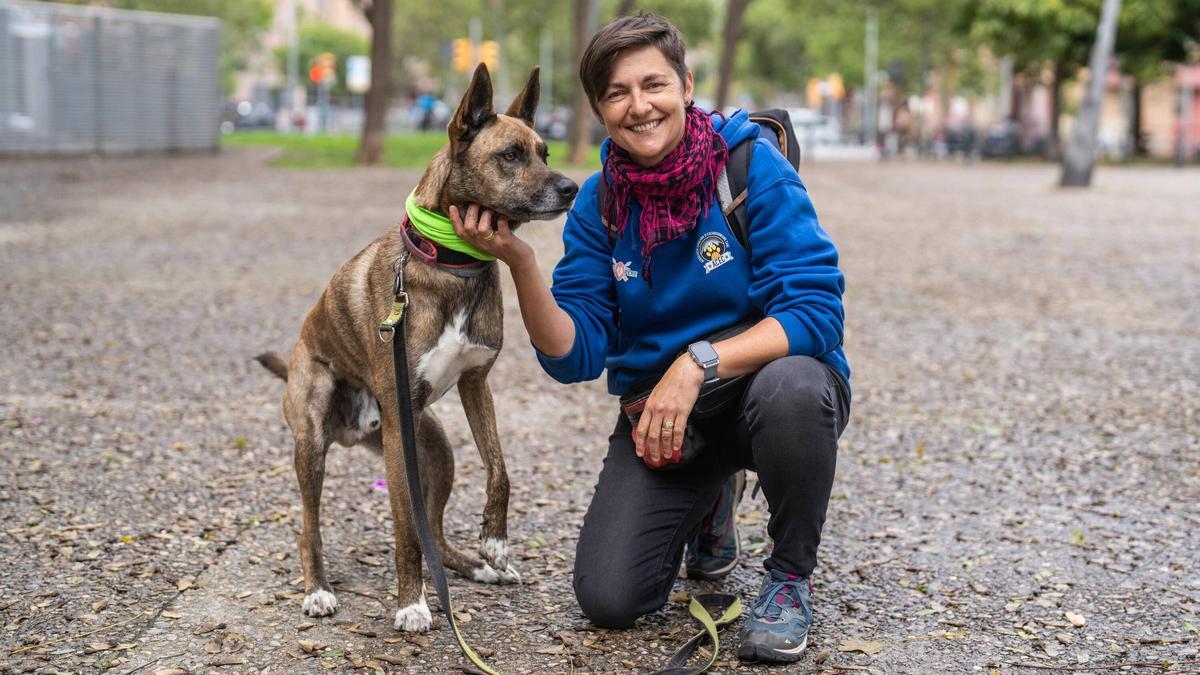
(731,184)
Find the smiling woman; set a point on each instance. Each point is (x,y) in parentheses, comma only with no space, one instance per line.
(654,288)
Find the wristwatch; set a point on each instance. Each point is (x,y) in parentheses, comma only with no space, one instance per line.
(705,356)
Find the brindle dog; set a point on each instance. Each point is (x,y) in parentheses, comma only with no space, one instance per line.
(340,377)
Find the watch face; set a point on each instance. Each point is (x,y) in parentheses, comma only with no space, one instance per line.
(704,354)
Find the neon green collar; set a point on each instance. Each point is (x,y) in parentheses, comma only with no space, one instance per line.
(438,229)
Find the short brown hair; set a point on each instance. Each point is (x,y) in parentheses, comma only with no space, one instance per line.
(621,34)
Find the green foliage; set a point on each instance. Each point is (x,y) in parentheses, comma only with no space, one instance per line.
(317,38)
(404,151)
(241,23)
(1036,32)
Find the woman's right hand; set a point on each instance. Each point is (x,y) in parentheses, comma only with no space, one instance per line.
(476,227)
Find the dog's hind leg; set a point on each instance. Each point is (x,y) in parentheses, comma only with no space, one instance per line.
(306,405)
(439,457)
(477,403)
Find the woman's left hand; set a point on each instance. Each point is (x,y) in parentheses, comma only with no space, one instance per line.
(476,227)
(658,438)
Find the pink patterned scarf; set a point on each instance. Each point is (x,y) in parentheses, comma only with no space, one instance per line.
(673,193)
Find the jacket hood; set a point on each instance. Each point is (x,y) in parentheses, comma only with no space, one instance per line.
(735,128)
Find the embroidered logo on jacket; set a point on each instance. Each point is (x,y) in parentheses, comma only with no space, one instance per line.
(622,271)
(713,251)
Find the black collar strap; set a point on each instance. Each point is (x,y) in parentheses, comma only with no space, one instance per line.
(435,255)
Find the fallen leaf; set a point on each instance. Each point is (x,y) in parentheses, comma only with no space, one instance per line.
(1076,620)
(869,647)
(171,615)
(556,649)
(212,647)
(185,583)
(309,645)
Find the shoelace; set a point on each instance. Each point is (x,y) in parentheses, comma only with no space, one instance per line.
(779,599)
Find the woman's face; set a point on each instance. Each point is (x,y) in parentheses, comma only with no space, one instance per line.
(645,105)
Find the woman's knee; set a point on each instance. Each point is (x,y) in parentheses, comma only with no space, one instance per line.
(607,602)
(792,388)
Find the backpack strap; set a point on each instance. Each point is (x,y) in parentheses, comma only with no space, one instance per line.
(738,170)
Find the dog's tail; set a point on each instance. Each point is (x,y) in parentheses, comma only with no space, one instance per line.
(275,363)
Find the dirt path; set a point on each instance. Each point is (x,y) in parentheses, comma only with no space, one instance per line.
(1022,452)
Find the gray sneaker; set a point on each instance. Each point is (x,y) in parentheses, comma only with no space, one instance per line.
(776,629)
(713,553)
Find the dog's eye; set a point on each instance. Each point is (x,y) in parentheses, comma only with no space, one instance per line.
(509,156)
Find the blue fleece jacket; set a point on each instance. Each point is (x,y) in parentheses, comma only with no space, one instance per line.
(704,281)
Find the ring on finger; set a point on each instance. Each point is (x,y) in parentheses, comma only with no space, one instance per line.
(668,424)
(491,234)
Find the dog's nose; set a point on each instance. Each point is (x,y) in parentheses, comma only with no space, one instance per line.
(566,188)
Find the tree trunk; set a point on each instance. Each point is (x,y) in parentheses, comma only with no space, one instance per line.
(1138,142)
(626,7)
(581,119)
(379,96)
(1080,157)
(1053,148)
(734,14)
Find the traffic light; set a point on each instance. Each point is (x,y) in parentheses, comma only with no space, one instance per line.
(323,68)
(461,58)
(489,54)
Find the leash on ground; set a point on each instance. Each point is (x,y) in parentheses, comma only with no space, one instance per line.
(393,330)
(703,608)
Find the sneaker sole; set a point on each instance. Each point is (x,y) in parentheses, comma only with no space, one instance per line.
(764,653)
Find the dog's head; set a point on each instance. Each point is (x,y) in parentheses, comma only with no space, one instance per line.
(499,161)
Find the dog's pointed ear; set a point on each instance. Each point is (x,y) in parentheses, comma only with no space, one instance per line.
(476,108)
(524,106)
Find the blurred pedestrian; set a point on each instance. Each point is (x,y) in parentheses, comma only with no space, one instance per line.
(646,277)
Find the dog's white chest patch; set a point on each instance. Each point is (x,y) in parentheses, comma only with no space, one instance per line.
(453,354)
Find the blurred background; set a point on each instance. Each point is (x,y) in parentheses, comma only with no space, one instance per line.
(335,82)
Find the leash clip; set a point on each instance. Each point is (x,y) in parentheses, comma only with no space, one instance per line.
(387,329)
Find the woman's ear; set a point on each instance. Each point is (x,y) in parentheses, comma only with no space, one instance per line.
(689,88)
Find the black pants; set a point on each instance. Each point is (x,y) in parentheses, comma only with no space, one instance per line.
(786,428)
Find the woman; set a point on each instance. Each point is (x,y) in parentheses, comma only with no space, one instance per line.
(632,299)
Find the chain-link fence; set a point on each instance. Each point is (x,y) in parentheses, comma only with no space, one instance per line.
(88,79)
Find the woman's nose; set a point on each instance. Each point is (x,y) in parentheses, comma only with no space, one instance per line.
(639,104)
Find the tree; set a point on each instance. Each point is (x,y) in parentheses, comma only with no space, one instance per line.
(379,96)
(1080,157)
(318,38)
(581,119)
(734,14)
(1150,35)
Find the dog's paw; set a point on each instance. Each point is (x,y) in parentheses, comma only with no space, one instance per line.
(320,603)
(415,618)
(489,575)
(494,552)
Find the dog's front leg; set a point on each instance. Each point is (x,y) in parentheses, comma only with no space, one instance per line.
(413,615)
(477,403)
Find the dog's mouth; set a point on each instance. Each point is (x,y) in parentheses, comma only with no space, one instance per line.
(524,214)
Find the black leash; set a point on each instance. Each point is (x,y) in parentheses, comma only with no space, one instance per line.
(393,330)
(727,608)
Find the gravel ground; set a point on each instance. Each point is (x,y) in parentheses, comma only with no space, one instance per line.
(1017,490)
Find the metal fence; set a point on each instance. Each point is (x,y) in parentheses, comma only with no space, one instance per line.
(89,79)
